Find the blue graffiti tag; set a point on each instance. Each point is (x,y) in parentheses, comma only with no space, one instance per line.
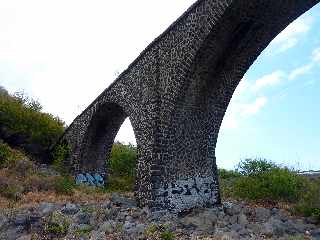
(99,180)
(90,179)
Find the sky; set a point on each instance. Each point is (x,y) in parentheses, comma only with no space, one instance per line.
(66,52)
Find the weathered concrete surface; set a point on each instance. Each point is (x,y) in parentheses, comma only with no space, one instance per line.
(175,95)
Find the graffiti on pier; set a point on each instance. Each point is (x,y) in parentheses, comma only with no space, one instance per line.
(94,179)
(185,192)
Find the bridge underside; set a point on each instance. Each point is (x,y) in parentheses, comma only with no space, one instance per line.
(175,95)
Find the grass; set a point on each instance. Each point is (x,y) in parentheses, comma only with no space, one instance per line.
(9,155)
(12,192)
(120,184)
(159,231)
(83,231)
(64,185)
(167,235)
(57,224)
(22,185)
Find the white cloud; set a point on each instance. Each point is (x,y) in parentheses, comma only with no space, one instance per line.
(289,37)
(300,71)
(271,79)
(238,111)
(240,106)
(231,118)
(230,121)
(291,42)
(255,107)
(316,55)
(242,86)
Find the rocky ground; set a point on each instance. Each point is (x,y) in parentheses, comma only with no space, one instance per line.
(119,218)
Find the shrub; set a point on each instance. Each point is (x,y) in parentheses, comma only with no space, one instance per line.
(13,192)
(122,160)
(60,154)
(10,189)
(57,224)
(272,185)
(121,166)
(21,167)
(35,183)
(159,231)
(64,185)
(24,125)
(122,183)
(309,204)
(84,232)
(167,235)
(6,154)
(254,166)
(226,181)
(228,174)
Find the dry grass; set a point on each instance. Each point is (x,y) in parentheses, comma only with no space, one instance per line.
(39,189)
(32,199)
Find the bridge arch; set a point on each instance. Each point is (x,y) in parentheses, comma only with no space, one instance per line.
(99,136)
(178,91)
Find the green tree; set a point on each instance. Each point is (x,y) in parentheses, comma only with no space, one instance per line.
(23,124)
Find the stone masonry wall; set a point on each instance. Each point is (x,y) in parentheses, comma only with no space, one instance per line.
(175,95)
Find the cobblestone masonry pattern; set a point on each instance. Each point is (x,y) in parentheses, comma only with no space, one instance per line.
(175,94)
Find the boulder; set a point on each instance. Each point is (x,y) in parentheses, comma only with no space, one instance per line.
(70,209)
(262,214)
(123,201)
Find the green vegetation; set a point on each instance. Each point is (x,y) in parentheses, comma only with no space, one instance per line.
(64,185)
(122,160)
(275,185)
(23,125)
(57,224)
(19,176)
(309,205)
(167,235)
(59,154)
(8,155)
(11,191)
(121,166)
(261,180)
(228,174)
(256,166)
(84,231)
(159,231)
(120,184)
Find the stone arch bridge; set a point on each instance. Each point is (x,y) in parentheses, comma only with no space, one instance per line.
(175,95)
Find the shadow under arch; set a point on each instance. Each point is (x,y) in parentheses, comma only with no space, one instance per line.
(100,136)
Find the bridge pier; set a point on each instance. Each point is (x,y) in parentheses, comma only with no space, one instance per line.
(175,95)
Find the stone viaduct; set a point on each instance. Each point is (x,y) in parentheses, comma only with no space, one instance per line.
(175,95)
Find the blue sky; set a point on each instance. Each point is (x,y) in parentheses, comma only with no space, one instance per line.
(274,112)
(64,53)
